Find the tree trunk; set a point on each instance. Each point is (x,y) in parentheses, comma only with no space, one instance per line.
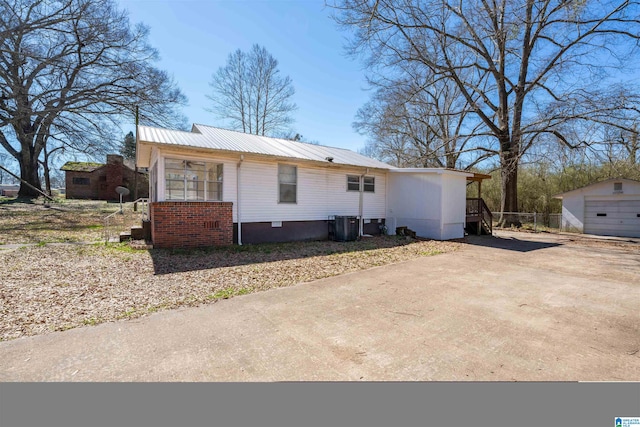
(47,177)
(509,185)
(29,173)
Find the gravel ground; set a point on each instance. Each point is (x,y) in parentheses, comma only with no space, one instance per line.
(47,288)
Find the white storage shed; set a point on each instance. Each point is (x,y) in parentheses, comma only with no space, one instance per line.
(607,208)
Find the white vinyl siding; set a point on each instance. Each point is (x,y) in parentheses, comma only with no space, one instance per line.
(321,192)
(431,204)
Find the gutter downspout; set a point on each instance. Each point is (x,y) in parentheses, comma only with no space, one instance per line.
(238,199)
(361,222)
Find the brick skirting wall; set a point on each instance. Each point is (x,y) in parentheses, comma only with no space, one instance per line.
(191,224)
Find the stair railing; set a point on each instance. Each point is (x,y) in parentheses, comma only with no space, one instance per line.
(111,220)
(476,207)
(485,215)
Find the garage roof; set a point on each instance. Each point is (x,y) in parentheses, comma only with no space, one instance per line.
(561,195)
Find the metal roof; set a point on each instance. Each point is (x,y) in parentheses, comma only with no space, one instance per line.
(213,138)
(438,171)
(633,181)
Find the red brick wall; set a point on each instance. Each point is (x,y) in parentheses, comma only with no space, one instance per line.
(76,191)
(104,180)
(113,178)
(191,224)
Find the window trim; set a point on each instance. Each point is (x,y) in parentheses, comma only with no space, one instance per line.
(295,167)
(362,182)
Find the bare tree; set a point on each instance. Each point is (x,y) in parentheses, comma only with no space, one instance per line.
(69,71)
(510,59)
(416,121)
(250,92)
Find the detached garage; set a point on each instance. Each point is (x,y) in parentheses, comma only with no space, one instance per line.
(607,208)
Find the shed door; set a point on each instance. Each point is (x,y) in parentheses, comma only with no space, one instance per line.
(612,217)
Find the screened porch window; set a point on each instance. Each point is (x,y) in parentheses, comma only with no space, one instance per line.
(192,181)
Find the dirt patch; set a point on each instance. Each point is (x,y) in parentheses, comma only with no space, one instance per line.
(51,288)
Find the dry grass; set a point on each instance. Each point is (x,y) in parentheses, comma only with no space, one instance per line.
(50,287)
(62,221)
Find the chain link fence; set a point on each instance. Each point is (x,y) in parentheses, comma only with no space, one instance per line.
(533,221)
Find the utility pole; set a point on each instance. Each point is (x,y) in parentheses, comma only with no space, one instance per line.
(135,160)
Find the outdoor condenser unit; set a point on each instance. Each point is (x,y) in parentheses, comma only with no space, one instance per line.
(345,228)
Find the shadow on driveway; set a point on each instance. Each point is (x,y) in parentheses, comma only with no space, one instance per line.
(509,244)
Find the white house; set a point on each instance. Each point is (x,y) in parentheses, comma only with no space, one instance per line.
(608,208)
(269,190)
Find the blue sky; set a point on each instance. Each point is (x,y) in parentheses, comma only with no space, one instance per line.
(195,37)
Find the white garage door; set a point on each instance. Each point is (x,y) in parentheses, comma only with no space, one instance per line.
(612,217)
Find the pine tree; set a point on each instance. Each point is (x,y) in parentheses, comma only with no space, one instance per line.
(128,148)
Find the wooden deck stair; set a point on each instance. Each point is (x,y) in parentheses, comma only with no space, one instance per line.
(479,219)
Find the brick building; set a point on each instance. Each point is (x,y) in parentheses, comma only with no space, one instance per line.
(98,181)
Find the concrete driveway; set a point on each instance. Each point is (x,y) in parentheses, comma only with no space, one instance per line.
(519,307)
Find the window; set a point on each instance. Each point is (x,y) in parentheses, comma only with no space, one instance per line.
(80,181)
(214,181)
(153,176)
(353,183)
(192,181)
(287,183)
(617,187)
(369,184)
